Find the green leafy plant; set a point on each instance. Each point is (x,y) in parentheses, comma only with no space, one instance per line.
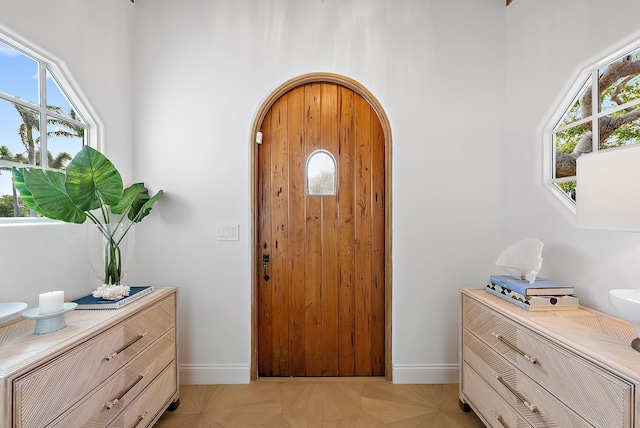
(91,188)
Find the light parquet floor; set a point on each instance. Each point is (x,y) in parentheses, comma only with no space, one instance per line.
(318,403)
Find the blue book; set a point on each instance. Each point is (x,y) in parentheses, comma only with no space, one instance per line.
(540,287)
(90,302)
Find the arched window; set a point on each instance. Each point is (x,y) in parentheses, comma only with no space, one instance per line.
(40,125)
(581,125)
(321,173)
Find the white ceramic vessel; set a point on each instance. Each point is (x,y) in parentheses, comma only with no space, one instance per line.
(627,302)
(10,309)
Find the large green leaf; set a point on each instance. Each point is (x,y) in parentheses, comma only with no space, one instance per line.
(137,198)
(92,180)
(48,191)
(144,210)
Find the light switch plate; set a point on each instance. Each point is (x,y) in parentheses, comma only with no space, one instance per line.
(227,232)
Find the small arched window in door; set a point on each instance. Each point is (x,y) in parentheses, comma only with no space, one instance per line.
(321,173)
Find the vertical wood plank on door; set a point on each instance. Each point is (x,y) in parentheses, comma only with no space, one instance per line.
(363,237)
(346,233)
(330,272)
(264,246)
(313,272)
(279,229)
(296,243)
(378,247)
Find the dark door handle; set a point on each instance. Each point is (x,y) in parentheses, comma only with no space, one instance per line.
(265,260)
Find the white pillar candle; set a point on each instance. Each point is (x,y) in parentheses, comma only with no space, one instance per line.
(51,301)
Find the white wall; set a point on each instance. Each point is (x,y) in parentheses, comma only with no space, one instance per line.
(204,67)
(201,70)
(92,44)
(549,43)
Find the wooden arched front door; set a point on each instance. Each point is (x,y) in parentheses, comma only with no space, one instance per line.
(320,258)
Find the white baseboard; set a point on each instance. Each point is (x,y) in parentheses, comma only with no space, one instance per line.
(219,374)
(214,374)
(426,373)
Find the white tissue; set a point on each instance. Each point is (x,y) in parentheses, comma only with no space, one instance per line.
(522,259)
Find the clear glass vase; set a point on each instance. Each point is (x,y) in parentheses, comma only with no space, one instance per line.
(110,248)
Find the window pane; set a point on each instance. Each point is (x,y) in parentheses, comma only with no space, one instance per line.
(618,81)
(19,74)
(321,173)
(621,128)
(19,135)
(57,101)
(64,141)
(568,188)
(568,145)
(580,108)
(5,181)
(7,207)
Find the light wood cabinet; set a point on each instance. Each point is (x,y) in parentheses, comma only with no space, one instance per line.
(106,368)
(546,369)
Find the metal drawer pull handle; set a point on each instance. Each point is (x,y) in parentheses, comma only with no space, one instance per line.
(498,418)
(532,360)
(115,354)
(529,406)
(140,419)
(115,401)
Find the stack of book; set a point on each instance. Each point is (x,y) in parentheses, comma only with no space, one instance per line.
(90,302)
(541,295)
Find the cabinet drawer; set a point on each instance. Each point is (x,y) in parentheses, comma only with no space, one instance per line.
(80,370)
(564,374)
(537,406)
(148,406)
(490,406)
(103,406)
(147,327)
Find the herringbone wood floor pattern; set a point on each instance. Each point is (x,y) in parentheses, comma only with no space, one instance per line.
(318,402)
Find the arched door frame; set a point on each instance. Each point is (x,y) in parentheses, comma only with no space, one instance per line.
(386,127)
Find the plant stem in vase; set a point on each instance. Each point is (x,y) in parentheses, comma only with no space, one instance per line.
(111,252)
